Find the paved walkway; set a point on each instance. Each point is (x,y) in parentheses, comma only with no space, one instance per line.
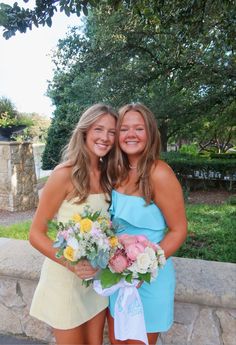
(14,340)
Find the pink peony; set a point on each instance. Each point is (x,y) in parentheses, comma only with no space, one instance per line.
(118,262)
(127,239)
(133,250)
(141,238)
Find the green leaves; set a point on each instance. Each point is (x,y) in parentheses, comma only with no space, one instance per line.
(145,277)
(108,278)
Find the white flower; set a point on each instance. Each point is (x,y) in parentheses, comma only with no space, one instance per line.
(162,260)
(79,250)
(151,253)
(153,265)
(73,243)
(143,262)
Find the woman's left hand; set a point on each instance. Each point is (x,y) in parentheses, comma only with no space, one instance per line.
(84,270)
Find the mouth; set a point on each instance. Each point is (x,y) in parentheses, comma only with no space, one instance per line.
(102,146)
(131,142)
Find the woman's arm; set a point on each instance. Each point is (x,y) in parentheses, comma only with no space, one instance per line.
(54,192)
(56,189)
(168,196)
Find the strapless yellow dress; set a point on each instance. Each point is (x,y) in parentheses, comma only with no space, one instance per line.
(60,299)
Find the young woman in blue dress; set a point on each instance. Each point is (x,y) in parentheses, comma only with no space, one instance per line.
(76,313)
(147,200)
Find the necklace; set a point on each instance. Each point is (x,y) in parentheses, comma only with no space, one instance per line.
(132,167)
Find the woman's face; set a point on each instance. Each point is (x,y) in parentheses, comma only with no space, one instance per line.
(100,136)
(133,134)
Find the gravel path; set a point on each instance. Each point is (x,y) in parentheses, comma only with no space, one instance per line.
(9,218)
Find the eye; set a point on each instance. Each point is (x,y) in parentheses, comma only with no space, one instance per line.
(139,129)
(123,129)
(98,129)
(112,132)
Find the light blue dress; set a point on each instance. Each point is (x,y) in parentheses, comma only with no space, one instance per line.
(133,217)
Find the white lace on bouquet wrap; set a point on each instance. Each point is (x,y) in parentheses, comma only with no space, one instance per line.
(129,317)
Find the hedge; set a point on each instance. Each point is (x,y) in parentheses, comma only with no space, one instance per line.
(188,167)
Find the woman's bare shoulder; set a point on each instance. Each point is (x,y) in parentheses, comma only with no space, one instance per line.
(61,173)
(161,170)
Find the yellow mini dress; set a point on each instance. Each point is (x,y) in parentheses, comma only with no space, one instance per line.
(60,299)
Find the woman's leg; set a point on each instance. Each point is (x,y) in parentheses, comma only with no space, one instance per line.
(152,337)
(74,336)
(89,333)
(94,329)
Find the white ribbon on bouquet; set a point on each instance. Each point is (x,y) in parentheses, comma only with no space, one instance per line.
(129,320)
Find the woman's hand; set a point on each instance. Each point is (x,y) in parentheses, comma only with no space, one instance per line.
(84,270)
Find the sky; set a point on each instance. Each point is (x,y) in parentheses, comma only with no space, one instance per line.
(26,66)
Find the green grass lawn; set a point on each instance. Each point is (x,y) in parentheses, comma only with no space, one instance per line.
(211,233)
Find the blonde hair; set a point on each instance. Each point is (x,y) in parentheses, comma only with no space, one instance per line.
(76,155)
(148,157)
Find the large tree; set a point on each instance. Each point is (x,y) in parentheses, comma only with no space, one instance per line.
(20,18)
(185,76)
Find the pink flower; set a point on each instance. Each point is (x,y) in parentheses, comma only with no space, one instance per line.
(133,250)
(118,262)
(141,238)
(127,239)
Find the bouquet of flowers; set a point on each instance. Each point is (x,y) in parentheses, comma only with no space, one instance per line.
(85,236)
(132,257)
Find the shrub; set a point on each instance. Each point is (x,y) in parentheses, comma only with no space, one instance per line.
(190,149)
(202,168)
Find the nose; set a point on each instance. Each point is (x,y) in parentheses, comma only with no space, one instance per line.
(130,132)
(104,135)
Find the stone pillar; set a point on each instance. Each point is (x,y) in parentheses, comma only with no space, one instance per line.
(18,184)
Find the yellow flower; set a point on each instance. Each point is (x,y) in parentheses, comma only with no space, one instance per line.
(103,220)
(76,218)
(85,225)
(69,253)
(113,241)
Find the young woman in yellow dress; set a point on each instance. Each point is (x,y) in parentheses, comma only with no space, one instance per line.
(75,312)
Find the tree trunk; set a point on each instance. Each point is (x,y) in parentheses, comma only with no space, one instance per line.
(164,138)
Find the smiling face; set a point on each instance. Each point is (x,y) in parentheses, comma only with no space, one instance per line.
(133,134)
(100,136)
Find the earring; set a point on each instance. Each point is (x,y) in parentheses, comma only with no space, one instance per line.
(100,160)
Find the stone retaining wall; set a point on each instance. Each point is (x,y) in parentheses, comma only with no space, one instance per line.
(205,303)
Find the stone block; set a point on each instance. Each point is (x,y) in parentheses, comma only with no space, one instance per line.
(10,296)
(205,329)
(4,151)
(4,166)
(185,313)
(36,329)
(177,335)
(203,286)
(228,326)
(19,174)
(19,259)
(10,322)
(4,202)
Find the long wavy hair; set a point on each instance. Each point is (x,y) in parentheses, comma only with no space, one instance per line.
(75,154)
(149,156)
